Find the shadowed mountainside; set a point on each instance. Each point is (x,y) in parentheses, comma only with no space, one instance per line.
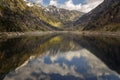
(105,48)
(16,15)
(105,17)
(23,48)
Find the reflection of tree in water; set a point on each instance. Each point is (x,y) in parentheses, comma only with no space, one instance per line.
(14,52)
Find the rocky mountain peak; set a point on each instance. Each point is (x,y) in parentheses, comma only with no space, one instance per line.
(105,17)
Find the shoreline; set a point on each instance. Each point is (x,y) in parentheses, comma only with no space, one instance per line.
(38,33)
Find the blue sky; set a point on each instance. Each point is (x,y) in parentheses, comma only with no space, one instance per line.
(46,2)
(78,1)
(80,5)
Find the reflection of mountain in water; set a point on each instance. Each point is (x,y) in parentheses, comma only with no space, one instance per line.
(72,65)
(14,52)
(105,48)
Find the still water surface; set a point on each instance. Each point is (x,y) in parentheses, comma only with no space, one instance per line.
(60,57)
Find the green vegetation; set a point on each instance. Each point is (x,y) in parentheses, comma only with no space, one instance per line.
(16,51)
(15,15)
(105,17)
(108,20)
(41,14)
(65,16)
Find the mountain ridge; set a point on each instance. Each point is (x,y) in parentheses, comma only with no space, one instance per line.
(16,15)
(105,17)
(22,15)
(64,15)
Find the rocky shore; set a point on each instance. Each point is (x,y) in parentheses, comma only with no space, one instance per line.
(86,33)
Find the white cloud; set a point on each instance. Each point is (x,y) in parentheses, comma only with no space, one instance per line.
(88,6)
(35,1)
(37,69)
(68,56)
(69,5)
(53,2)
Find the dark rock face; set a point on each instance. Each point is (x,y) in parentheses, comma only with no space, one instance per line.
(105,17)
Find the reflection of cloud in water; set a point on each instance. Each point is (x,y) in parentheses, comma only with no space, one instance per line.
(37,69)
(68,56)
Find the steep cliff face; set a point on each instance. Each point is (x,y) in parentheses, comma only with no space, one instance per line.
(65,16)
(21,15)
(105,17)
(15,15)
